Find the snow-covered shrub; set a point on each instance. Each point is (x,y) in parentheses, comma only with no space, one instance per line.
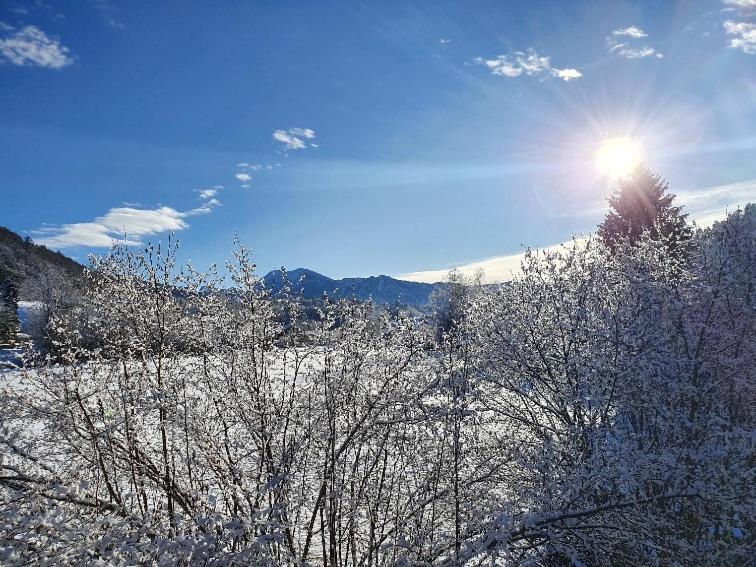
(612,379)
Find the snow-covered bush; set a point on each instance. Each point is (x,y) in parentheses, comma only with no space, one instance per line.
(618,383)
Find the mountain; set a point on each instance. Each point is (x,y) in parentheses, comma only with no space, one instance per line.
(26,264)
(382,289)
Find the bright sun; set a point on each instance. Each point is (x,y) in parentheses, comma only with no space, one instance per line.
(618,157)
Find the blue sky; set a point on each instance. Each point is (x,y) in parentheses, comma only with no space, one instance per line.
(379,137)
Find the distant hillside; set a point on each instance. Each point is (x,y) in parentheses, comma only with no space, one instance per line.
(24,262)
(382,289)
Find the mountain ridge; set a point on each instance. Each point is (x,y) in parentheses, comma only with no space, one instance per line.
(382,289)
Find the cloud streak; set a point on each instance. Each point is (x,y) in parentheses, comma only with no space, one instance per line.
(31,47)
(634,52)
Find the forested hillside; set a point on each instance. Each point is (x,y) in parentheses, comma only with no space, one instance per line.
(27,264)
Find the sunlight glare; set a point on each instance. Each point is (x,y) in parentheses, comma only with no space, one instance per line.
(618,157)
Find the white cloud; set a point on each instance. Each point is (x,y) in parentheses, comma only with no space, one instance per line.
(529,63)
(741,3)
(294,138)
(533,63)
(207,193)
(566,74)
(31,47)
(303,132)
(743,36)
(444,41)
(289,141)
(119,225)
(243,176)
(502,65)
(630,31)
(630,48)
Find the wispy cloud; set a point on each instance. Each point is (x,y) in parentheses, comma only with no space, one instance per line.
(709,204)
(207,193)
(444,41)
(742,36)
(123,225)
(249,166)
(294,138)
(109,13)
(208,199)
(630,31)
(634,52)
(31,47)
(529,63)
(623,43)
(742,4)
(495,270)
(244,168)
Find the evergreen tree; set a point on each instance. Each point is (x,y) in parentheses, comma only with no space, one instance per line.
(9,324)
(642,204)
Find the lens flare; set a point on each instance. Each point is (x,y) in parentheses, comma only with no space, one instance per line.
(618,157)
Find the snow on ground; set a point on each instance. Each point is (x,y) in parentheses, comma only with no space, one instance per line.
(10,360)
